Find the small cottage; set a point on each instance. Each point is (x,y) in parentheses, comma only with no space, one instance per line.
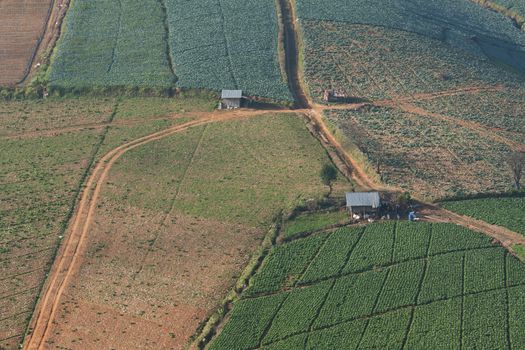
(363,203)
(231,99)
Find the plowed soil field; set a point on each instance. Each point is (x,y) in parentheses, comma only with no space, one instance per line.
(22,23)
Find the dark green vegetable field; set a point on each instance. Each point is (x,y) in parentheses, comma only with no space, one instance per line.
(383,286)
(507,212)
(170,43)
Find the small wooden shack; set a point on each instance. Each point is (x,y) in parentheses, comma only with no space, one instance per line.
(363,203)
(231,99)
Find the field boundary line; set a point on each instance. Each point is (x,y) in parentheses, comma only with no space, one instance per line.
(65,263)
(366,270)
(392,310)
(162,223)
(462,320)
(167,33)
(507,301)
(227,45)
(17,314)
(419,288)
(318,312)
(117,37)
(378,296)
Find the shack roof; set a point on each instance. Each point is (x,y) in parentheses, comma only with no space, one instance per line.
(231,94)
(363,199)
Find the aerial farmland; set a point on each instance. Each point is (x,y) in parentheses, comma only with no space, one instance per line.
(262,175)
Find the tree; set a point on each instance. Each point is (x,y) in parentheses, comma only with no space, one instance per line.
(328,176)
(516,162)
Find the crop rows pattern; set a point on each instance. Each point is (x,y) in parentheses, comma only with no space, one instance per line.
(371,62)
(462,24)
(507,212)
(433,157)
(393,286)
(213,44)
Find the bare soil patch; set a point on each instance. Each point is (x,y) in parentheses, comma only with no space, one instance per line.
(22,24)
(148,286)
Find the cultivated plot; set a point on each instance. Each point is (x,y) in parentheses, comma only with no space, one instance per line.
(48,147)
(215,44)
(506,212)
(462,24)
(178,218)
(388,286)
(433,157)
(22,25)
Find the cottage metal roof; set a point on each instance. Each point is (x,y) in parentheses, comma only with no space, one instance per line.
(231,94)
(363,199)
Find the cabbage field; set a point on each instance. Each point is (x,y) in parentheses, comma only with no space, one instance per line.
(507,212)
(371,62)
(149,43)
(383,286)
(459,23)
(433,157)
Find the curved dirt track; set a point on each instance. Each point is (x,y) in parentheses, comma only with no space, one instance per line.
(66,262)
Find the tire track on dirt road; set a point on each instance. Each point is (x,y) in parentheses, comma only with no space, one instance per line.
(67,261)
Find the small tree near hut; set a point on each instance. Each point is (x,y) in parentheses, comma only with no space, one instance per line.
(516,162)
(328,176)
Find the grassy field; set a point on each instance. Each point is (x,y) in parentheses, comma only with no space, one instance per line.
(213,45)
(47,148)
(432,157)
(388,286)
(507,212)
(311,222)
(177,221)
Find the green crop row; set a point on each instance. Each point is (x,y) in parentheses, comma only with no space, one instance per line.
(333,255)
(148,43)
(285,265)
(112,43)
(507,212)
(451,21)
(438,301)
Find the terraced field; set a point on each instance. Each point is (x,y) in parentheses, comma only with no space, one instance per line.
(47,149)
(213,44)
(22,24)
(507,212)
(388,286)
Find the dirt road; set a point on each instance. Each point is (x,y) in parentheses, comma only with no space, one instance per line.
(67,260)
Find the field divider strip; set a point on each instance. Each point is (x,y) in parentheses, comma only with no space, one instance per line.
(171,206)
(117,36)
(13,336)
(419,288)
(227,44)
(388,311)
(368,269)
(507,301)
(3,297)
(23,273)
(462,301)
(17,314)
(318,312)
(169,55)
